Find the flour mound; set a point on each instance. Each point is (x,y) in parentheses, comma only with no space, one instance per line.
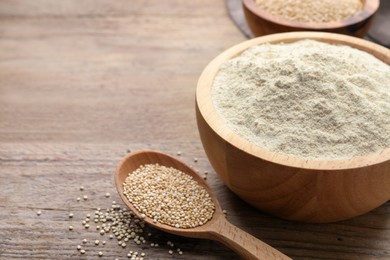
(306,99)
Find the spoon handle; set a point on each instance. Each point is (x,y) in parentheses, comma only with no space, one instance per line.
(243,243)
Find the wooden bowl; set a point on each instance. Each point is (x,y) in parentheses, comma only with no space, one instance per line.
(262,23)
(290,188)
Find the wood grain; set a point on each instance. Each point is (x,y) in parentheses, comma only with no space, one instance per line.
(71,72)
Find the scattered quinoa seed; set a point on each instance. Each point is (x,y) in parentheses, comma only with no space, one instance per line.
(78,199)
(119,223)
(39,212)
(85,197)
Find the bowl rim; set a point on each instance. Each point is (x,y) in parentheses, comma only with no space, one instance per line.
(370,7)
(214,121)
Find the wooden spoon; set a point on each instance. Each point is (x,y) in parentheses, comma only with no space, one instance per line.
(218,228)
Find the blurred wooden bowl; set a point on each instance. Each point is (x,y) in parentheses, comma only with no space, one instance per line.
(291,188)
(262,23)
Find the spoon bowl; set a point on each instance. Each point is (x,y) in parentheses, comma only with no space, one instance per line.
(217,228)
(134,160)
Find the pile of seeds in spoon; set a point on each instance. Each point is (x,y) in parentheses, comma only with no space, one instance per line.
(168,196)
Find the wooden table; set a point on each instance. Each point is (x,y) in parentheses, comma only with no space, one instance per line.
(84,82)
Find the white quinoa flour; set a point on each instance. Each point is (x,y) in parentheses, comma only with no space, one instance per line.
(306,99)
